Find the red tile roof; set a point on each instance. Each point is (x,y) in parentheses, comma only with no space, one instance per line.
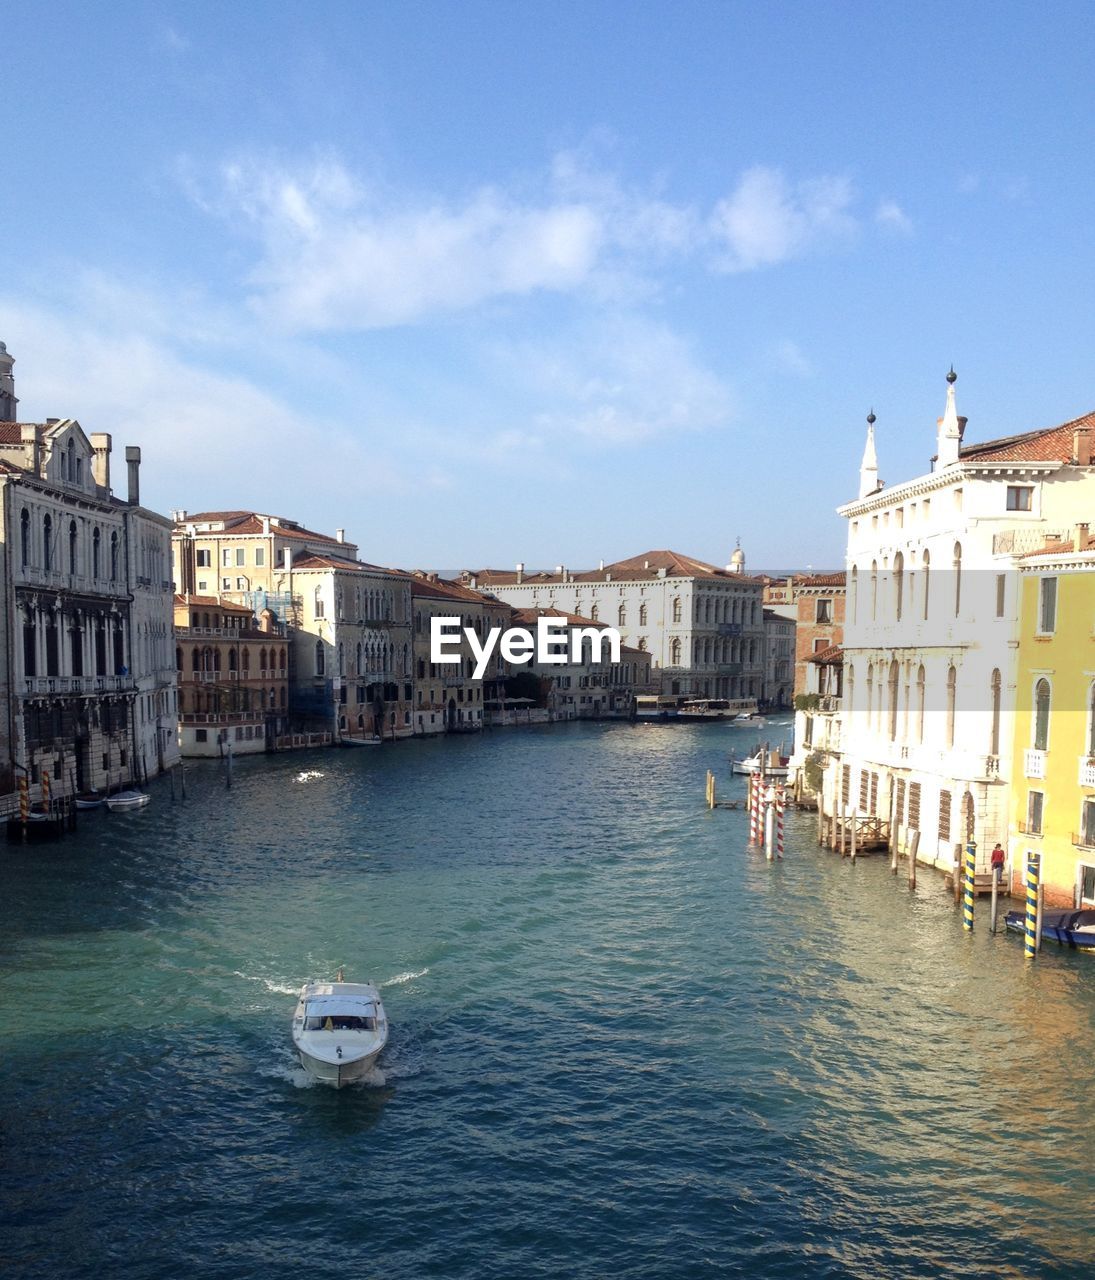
(1050,444)
(821,579)
(446,589)
(250,522)
(12,432)
(526,616)
(834,653)
(643,567)
(312,561)
(209,602)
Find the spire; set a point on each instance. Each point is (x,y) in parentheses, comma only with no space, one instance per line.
(8,398)
(950,426)
(868,468)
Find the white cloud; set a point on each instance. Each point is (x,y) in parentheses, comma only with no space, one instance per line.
(336,252)
(768,220)
(624,380)
(890,215)
(788,357)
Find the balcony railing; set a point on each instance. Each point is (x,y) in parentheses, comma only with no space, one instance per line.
(77,684)
(1087,771)
(1034,763)
(1084,839)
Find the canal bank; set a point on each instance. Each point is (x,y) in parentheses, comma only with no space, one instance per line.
(621,1043)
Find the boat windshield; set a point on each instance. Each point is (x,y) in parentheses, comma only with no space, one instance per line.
(339,1022)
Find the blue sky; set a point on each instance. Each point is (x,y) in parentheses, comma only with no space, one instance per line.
(553,283)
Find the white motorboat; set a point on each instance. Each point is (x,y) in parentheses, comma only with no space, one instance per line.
(123,800)
(748,717)
(775,767)
(90,800)
(339,1029)
(374,741)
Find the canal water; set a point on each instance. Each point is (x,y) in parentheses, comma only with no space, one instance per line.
(622,1044)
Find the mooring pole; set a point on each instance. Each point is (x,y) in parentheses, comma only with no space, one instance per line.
(995,890)
(855,836)
(769,823)
(1030,924)
(914,845)
(1041,909)
(967,898)
(893,827)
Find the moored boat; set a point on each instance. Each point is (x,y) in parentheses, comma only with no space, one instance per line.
(123,800)
(707,709)
(374,741)
(90,800)
(1071,928)
(775,767)
(339,1029)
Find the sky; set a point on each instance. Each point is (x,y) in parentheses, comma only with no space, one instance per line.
(549,283)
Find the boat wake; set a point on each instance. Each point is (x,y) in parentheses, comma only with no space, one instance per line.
(401,978)
(309,775)
(279,988)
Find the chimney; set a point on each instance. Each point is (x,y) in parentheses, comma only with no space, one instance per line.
(28,436)
(1079,537)
(287,557)
(521,572)
(100,463)
(133,465)
(265,526)
(601,565)
(178,516)
(1081,446)
(340,535)
(646,564)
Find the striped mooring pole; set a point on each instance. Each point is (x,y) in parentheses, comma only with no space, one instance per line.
(24,799)
(967,890)
(754,809)
(781,801)
(1030,924)
(45,790)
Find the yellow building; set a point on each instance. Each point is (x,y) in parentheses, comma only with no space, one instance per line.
(1053,795)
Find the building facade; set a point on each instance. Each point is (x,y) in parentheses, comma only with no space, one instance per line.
(233,678)
(1053,750)
(779,660)
(702,626)
(87,677)
(929,679)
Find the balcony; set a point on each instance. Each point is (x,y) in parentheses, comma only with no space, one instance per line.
(1084,839)
(1087,771)
(37,685)
(1034,763)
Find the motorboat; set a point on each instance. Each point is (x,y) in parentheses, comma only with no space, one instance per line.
(374,741)
(339,1029)
(776,765)
(123,800)
(1075,929)
(90,800)
(748,718)
(707,709)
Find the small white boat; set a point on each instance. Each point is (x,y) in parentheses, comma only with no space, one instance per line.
(122,800)
(748,718)
(339,1029)
(374,741)
(90,800)
(776,766)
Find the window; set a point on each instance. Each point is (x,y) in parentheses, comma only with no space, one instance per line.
(893,700)
(1020,497)
(72,546)
(202,558)
(24,537)
(927,581)
(241,584)
(944,830)
(621,616)
(676,608)
(920,700)
(241,553)
(114,557)
(1034,812)
(319,611)
(642,615)
(1001,593)
(226,584)
(1047,606)
(855,591)
(874,590)
(321,659)
(994,740)
(95,549)
(1087,884)
(1041,715)
(952,689)
(47,542)
(226,557)
(260,557)
(1087,828)
(898,584)
(957,565)
(824,611)
(201,735)
(821,642)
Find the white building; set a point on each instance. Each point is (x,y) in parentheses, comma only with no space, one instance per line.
(701,625)
(930,623)
(87,671)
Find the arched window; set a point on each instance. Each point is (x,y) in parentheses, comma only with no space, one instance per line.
(281,665)
(870,696)
(71,468)
(921,697)
(1041,715)
(233,659)
(642,614)
(114,557)
(195,660)
(341,658)
(595,613)
(675,652)
(952,692)
(893,700)
(642,644)
(621,616)
(357,662)
(927,574)
(957,577)
(47,542)
(320,660)
(72,546)
(855,591)
(262,661)
(676,608)
(994,736)
(898,583)
(874,590)
(95,552)
(246,662)
(24,537)
(178,658)
(849,689)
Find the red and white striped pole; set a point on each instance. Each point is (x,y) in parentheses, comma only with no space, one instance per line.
(754,809)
